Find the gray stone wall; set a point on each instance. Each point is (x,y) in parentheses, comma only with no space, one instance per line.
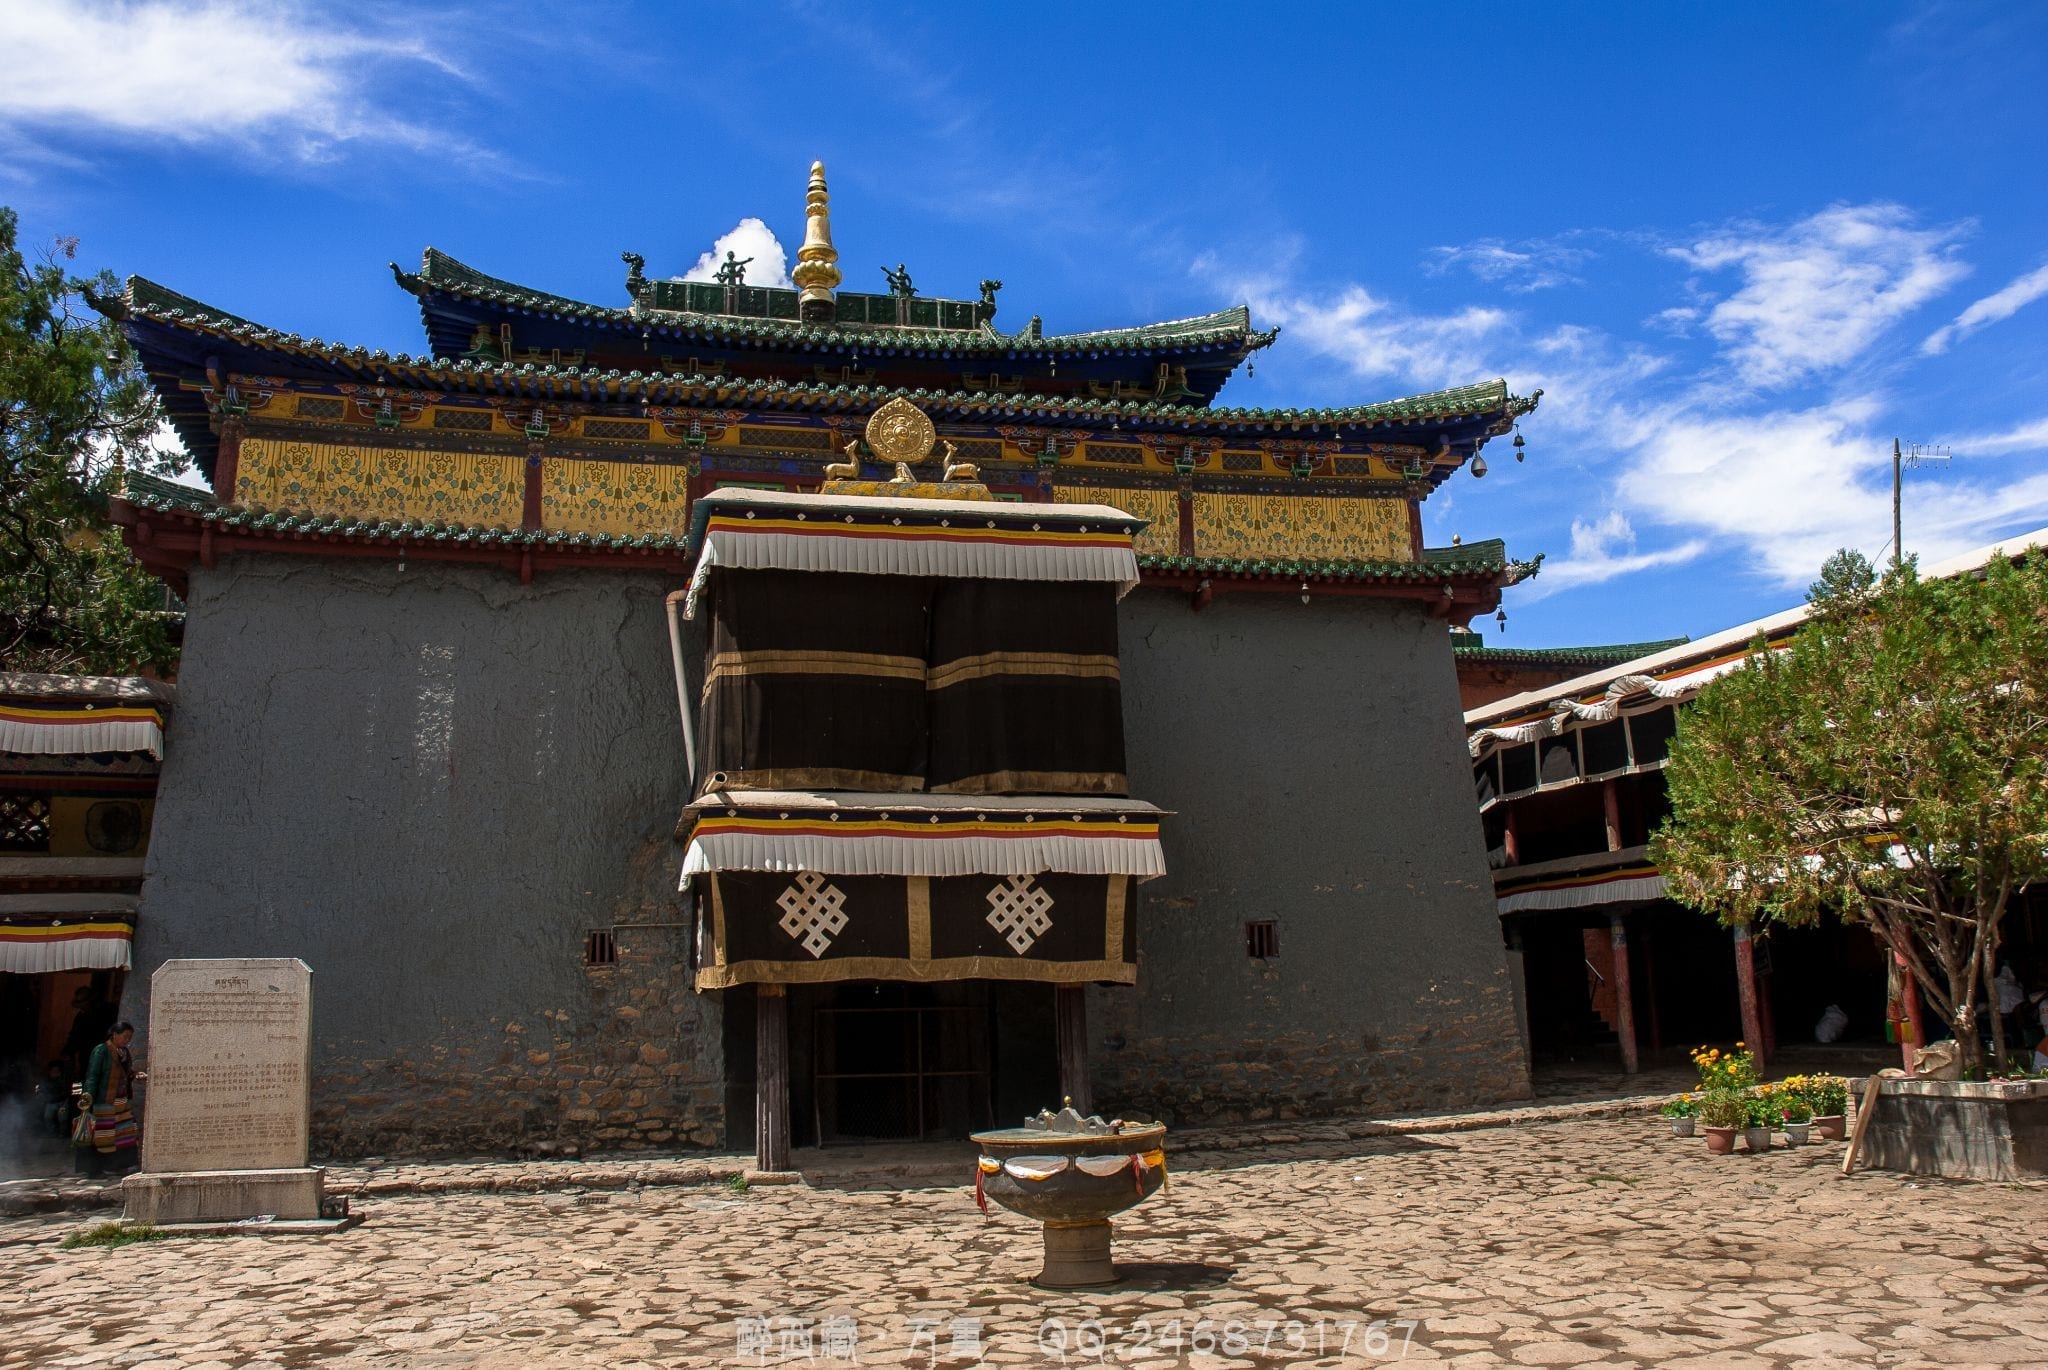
(1313,755)
(429,782)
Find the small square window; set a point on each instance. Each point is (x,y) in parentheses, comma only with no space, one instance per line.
(600,947)
(1262,939)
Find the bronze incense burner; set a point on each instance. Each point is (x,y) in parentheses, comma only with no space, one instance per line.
(1072,1174)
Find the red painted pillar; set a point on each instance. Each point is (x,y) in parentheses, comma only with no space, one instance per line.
(1916,1030)
(1745,982)
(1510,840)
(1624,995)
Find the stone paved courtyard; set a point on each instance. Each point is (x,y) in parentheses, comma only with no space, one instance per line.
(1595,1241)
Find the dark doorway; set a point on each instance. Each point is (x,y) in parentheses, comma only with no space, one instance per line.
(49,1024)
(898,1065)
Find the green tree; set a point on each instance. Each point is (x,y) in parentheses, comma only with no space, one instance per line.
(75,411)
(1887,766)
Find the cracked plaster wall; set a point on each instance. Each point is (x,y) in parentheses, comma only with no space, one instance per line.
(428,783)
(1314,758)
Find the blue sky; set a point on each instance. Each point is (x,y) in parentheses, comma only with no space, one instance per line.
(1739,246)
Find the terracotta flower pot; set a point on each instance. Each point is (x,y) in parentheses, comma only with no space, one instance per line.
(1832,1128)
(1757,1138)
(1720,1140)
(1682,1127)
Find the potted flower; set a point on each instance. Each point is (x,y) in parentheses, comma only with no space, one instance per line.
(1683,1110)
(1721,1113)
(1725,1069)
(1828,1097)
(1798,1116)
(1759,1112)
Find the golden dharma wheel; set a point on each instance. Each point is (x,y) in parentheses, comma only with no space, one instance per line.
(900,431)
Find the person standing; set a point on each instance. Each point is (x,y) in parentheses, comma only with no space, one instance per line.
(109,1091)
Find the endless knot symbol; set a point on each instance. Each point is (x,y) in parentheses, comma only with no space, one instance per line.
(811,912)
(1017,909)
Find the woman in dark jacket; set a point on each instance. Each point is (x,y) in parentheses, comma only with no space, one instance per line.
(110,1077)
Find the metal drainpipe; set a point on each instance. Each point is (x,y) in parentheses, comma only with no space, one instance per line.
(675,647)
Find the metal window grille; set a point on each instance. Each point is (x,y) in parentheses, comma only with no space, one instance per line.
(600,947)
(1262,939)
(24,822)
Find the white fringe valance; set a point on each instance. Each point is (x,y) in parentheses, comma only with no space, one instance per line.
(1629,694)
(79,734)
(1625,891)
(51,931)
(967,854)
(965,558)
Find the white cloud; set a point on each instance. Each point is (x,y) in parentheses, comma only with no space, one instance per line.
(1788,485)
(1604,549)
(1991,309)
(752,241)
(1651,429)
(2026,437)
(1522,269)
(1793,486)
(217,71)
(1817,293)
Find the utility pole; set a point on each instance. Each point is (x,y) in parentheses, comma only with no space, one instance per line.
(1897,547)
(1913,454)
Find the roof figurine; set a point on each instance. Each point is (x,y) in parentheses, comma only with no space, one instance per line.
(734,272)
(636,273)
(817,261)
(985,308)
(899,281)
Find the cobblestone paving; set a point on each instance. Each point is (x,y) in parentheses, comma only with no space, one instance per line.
(1596,1241)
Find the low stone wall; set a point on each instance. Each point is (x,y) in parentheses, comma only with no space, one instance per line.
(624,1069)
(1450,1054)
(1960,1130)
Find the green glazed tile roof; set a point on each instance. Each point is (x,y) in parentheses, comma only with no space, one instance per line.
(415,530)
(146,300)
(1489,558)
(1478,652)
(441,272)
(139,487)
(1486,559)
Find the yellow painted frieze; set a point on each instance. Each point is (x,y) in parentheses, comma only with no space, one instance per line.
(365,482)
(1161,537)
(624,499)
(1317,527)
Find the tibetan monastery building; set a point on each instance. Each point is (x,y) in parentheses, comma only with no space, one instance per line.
(614,804)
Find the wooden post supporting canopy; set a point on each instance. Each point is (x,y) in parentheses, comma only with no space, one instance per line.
(1624,995)
(1915,1035)
(1070,1017)
(771,1078)
(1745,983)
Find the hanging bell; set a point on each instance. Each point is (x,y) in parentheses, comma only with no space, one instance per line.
(1520,443)
(1478,466)
(1500,619)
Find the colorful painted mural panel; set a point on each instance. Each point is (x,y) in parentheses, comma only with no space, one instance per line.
(621,498)
(1161,537)
(1317,527)
(354,481)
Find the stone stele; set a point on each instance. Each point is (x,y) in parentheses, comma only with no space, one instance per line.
(224,1120)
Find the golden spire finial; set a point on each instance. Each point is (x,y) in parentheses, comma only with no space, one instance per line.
(817,261)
